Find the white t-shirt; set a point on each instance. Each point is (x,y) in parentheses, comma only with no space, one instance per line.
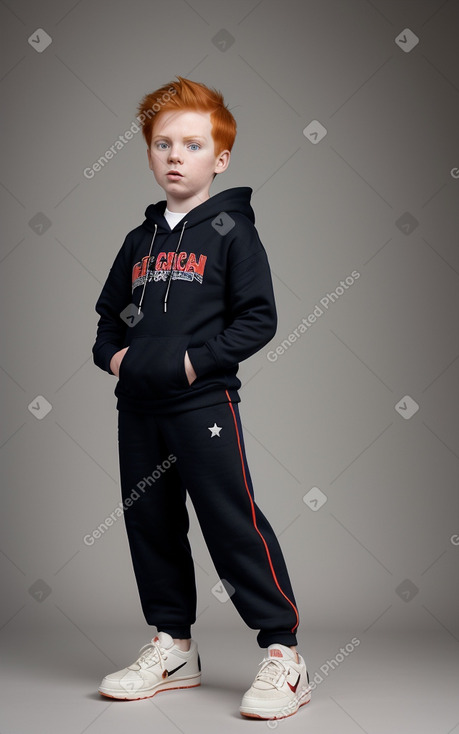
(173,218)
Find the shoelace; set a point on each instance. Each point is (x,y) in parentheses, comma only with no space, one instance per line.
(271,671)
(151,652)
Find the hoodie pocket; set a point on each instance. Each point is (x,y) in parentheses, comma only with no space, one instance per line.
(154,366)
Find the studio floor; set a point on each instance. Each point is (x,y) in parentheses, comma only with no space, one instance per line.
(389,683)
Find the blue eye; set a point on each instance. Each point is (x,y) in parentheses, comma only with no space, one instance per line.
(194,146)
(161,146)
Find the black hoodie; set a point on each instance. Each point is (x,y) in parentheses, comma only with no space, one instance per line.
(204,286)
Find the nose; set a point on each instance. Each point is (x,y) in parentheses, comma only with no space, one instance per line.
(175,155)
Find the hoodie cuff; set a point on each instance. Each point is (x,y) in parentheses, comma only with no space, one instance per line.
(202,359)
(104,357)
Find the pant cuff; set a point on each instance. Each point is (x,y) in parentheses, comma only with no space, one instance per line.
(268,637)
(177,632)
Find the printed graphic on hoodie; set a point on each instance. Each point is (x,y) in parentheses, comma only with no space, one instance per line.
(184,265)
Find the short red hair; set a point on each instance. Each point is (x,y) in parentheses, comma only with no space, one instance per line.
(187,95)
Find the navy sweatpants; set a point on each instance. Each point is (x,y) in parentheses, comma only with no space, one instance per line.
(162,457)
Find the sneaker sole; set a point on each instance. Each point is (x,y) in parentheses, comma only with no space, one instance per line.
(192,682)
(258,714)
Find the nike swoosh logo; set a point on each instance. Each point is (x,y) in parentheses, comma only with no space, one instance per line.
(167,673)
(293,688)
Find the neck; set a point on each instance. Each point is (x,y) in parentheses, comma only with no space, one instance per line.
(185,205)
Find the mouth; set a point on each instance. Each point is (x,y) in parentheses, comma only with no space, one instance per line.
(174,175)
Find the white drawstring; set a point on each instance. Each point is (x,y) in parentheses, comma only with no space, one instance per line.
(166,296)
(148,265)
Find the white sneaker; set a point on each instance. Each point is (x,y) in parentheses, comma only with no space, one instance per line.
(161,666)
(280,687)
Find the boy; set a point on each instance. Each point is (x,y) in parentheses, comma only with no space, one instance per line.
(188,297)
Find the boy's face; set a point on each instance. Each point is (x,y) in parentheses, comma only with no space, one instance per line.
(183,159)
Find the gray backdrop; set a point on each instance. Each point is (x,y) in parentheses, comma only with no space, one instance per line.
(348,112)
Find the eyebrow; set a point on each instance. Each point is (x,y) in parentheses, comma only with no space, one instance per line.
(188,137)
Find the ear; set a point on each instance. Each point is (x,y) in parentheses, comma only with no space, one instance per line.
(150,163)
(222,162)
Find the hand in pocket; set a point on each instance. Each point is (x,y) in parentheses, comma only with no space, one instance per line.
(116,361)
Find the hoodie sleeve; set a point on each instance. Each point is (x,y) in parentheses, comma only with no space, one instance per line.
(253,318)
(115,296)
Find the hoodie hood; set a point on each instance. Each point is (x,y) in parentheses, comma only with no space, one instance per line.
(235,200)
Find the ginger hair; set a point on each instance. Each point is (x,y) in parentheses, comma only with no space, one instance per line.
(184,95)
